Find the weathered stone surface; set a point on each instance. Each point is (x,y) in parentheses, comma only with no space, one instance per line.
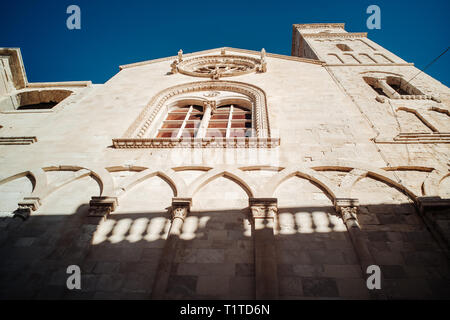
(346,166)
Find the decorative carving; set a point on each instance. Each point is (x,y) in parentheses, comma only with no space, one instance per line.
(263,67)
(222,65)
(348,208)
(133,138)
(349,213)
(263,208)
(210,104)
(174,67)
(180,56)
(187,142)
(180,207)
(179,212)
(336,35)
(211,94)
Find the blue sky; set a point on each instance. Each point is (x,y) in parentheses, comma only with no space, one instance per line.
(119,32)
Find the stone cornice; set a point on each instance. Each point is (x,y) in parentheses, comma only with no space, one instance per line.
(370,65)
(217,142)
(319,25)
(209,51)
(336,35)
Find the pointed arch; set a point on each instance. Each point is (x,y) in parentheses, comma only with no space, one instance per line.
(323,182)
(177,185)
(245,182)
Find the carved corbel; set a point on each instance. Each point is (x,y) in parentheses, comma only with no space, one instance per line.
(26,207)
(263,208)
(348,208)
(102,206)
(180,208)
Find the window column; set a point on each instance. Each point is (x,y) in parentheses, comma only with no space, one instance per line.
(209,107)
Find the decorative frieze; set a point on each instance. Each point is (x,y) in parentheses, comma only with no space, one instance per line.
(186,142)
(218,66)
(336,35)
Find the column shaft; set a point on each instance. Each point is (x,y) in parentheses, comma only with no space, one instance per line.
(263,212)
(180,209)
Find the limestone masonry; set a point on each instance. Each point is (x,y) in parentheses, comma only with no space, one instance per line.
(229,174)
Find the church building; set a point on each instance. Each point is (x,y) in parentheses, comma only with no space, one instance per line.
(229,174)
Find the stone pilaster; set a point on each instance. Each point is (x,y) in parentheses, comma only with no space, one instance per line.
(263,213)
(348,208)
(179,210)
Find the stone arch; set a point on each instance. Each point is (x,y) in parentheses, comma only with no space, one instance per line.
(99,174)
(366,170)
(419,117)
(256,95)
(389,183)
(69,196)
(176,184)
(306,173)
(235,175)
(59,183)
(34,99)
(14,188)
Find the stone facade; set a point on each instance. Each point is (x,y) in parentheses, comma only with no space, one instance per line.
(229,174)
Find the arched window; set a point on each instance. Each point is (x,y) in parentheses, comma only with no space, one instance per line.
(402,87)
(181,122)
(202,114)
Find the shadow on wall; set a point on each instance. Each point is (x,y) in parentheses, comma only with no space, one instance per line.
(215,255)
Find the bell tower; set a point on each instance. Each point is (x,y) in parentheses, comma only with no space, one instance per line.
(330,42)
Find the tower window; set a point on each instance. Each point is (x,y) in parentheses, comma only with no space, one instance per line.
(343,47)
(402,87)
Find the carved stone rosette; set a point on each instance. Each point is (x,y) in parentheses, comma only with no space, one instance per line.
(348,208)
(180,207)
(102,206)
(263,208)
(218,66)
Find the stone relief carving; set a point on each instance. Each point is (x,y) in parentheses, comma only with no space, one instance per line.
(218,66)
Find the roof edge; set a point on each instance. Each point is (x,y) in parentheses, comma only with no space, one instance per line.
(273,55)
